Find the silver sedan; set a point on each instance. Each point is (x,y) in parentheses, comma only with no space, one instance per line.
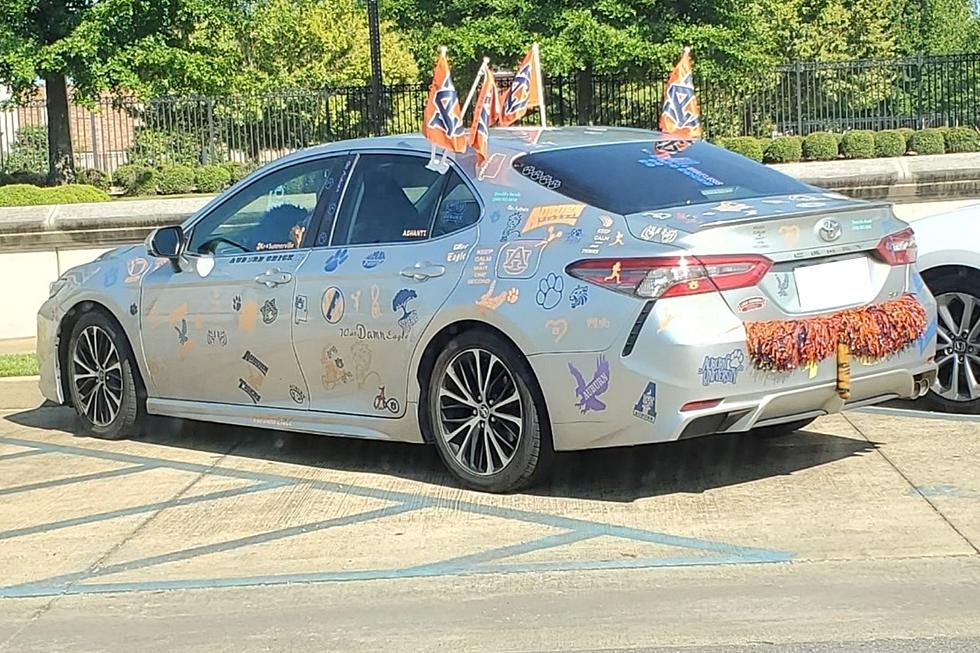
(581,288)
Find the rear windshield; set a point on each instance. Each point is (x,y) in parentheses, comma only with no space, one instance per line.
(629,178)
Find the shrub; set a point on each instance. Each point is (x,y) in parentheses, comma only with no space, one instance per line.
(889,143)
(27,195)
(784,149)
(136,179)
(962,139)
(820,146)
(32,178)
(175,180)
(858,144)
(94,177)
(906,133)
(161,147)
(212,179)
(74,194)
(746,146)
(839,137)
(927,141)
(30,150)
(21,195)
(237,169)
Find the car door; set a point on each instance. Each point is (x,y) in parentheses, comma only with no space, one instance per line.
(396,252)
(219,328)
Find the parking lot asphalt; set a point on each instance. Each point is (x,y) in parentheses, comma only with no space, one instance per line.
(864,526)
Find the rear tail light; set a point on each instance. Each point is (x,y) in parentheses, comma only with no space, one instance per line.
(700,405)
(898,248)
(673,276)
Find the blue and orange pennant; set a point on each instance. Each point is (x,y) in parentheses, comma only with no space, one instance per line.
(442,122)
(681,114)
(486,113)
(525,90)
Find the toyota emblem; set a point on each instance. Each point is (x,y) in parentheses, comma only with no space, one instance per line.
(829,229)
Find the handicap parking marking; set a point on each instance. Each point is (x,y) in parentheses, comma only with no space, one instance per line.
(693,551)
(917,414)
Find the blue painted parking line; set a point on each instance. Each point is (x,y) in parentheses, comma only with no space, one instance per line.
(917,414)
(95,476)
(21,454)
(136,510)
(493,560)
(944,491)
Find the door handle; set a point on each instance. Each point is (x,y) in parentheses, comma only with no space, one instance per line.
(423,271)
(273,277)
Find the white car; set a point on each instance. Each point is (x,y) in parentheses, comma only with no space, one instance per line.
(949,260)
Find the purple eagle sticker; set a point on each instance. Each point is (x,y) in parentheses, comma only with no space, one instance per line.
(588,393)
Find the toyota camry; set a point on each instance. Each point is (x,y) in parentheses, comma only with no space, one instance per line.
(580,288)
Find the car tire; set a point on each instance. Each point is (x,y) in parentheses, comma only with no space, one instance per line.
(779,430)
(486,414)
(102,377)
(956,290)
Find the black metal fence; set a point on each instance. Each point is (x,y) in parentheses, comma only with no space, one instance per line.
(799,98)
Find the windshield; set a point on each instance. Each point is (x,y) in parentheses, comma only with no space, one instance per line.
(629,178)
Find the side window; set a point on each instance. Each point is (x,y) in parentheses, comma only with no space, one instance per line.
(391,198)
(458,208)
(271,213)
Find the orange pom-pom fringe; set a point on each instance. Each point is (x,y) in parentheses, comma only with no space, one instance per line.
(871,333)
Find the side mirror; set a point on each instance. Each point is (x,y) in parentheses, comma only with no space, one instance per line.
(166,242)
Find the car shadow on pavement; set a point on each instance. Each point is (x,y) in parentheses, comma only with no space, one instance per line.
(619,474)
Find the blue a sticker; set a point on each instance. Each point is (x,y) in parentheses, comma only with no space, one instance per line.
(646,406)
(373,260)
(722,369)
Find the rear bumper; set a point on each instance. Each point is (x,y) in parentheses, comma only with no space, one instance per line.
(742,413)
(806,403)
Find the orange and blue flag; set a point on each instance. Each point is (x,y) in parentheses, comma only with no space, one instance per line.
(525,90)
(486,113)
(681,114)
(442,122)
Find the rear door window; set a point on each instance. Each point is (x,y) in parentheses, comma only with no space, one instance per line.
(633,177)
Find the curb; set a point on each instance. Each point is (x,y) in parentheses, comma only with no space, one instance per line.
(18,392)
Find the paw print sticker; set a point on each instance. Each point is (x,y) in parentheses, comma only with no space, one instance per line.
(513,295)
(236,303)
(737,360)
(549,291)
(335,260)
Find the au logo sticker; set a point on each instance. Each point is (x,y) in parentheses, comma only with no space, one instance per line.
(543,216)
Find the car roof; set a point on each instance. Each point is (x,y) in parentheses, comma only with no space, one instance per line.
(507,140)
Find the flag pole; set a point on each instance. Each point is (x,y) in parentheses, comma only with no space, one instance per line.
(540,82)
(476,82)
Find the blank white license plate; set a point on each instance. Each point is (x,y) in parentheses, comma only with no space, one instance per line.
(832,285)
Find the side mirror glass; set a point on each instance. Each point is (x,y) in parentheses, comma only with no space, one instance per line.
(166,242)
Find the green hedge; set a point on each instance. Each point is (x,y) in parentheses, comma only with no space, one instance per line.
(820,146)
(858,144)
(237,169)
(889,143)
(27,195)
(928,141)
(784,149)
(175,180)
(136,179)
(746,146)
(962,139)
(906,133)
(212,179)
(94,177)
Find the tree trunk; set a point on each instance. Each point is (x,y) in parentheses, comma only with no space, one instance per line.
(61,162)
(584,96)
